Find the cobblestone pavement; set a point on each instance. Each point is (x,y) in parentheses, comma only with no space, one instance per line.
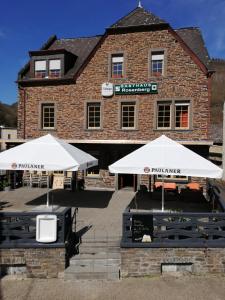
(157,288)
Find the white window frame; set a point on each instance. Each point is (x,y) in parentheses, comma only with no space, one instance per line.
(43,107)
(157,117)
(158,56)
(128,104)
(117,58)
(42,65)
(41,68)
(94,104)
(175,116)
(54,66)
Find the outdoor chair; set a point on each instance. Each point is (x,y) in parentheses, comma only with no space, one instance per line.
(170,190)
(43,181)
(192,192)
(35,181)
(26,179)
(67,183)
(168,186)
(194,186)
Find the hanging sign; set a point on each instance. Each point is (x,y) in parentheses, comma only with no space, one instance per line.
(136,88)
(107,89)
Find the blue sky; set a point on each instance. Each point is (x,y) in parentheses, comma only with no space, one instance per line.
(26,25)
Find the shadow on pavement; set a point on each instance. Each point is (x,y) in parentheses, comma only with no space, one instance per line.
(89,199)
(188,202)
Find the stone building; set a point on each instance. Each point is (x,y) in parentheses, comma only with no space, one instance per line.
(7,135)
(112,93)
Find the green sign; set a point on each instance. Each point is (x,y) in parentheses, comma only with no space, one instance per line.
(136,88)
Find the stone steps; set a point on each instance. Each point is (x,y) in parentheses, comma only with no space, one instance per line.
(97,259)
(91,276)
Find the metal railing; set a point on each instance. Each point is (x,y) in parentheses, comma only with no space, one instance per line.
(18,229)
(181,229)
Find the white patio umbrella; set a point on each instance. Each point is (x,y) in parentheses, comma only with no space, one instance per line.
(164,156)
(46,153)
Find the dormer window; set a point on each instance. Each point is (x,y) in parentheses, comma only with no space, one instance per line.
(54,68)
(51,64)
(40,68)
(49,68)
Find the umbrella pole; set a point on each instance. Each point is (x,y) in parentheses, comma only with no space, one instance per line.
(163,195)
(47,191)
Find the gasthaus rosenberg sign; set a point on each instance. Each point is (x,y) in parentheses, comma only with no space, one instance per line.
(136,88)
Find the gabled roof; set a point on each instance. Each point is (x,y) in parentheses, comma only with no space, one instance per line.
(192,36)
(138,17)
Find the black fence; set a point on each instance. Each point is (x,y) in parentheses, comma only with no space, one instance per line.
(18,229)
(165,229)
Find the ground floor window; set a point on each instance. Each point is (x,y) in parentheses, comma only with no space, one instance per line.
(172,178)
(94,171)
(173,114)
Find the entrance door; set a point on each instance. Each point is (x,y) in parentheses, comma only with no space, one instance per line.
(127,180)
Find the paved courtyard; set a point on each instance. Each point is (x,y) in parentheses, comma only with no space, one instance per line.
(100,211)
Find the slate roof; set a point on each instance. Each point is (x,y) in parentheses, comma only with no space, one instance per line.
(138,17)
(192,36)
(81,47)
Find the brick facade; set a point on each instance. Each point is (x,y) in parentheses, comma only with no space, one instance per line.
(184,79)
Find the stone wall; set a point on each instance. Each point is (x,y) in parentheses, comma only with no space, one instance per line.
(183,80)
(38,263)
(148,261)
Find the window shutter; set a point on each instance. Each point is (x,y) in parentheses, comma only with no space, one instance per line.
(55,64)
(157,56)
(117,59)
(40,65)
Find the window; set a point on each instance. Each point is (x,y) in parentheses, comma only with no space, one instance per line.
(94,171)
(182,115)
(157,63)
(172,178)
(40,69)
(47,68)
(128,115)
(117,66)
(94,115)
(9,136)
(54,68)
(164,115)
(173,115)
(48,116)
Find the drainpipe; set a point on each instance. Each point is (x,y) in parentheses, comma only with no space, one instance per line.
(24,111)
(223,154)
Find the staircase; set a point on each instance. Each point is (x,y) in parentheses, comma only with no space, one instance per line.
(98,258)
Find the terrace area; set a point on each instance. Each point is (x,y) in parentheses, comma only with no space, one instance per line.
(190,219)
